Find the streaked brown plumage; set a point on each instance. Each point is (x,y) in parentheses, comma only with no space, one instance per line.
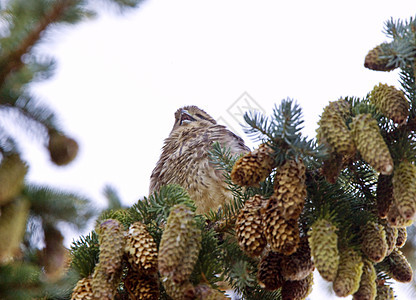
(185,158)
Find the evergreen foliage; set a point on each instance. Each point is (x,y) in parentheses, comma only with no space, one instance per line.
(313,194)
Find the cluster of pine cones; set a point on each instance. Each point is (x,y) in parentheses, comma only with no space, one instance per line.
(269,228)
(135,248)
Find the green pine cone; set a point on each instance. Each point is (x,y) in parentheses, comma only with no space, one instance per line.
(180,244)
(385,292)
(404,189)
(401,237)
(384,194)
(370,143)
(373,60)
(13,217)
(374,243)
(323,241)
(12,175)
(107,273)
(350,269)
(399,267)
(390,102)
(395,218)
(368,286)
(391,236)
(332,129)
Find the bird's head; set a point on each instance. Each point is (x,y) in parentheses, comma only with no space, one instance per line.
(187,115)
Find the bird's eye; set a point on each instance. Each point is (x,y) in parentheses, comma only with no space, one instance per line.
(185,118)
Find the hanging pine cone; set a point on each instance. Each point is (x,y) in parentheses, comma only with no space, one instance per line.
(13,217)
(399,267)
(298,265)
(373,60)
(12,174)
(401,237)
(107,272)
(179,291)
(370,143)
(368,285)
(391,236)
(205,292)
(390,102)
(142,286)
(62,149)
(180,244)
(395,219)
(384,196)
(141,249)
(350,269)
(268,274)
(374,243)
(249,227)
(253,167)
(290,188)
(332,129)
(83,290)
(298,289)
(323,241)
(385,292)
(404,189)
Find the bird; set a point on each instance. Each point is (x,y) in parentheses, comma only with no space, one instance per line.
(185,158)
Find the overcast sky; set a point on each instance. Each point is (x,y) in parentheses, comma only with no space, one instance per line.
(120,78)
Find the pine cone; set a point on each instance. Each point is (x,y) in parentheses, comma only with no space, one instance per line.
(373,60)
(107,272)
(350,269)
(395,219)
(401,237)
(180,244)
(62,149)
(205,292)
(390,102)
(370,143)
(268,274)
(385,292)
(298,265)
(141,249)
(142,286)
(54,256)
(391,236)
(13,217)
(253,167)
(384,196)
(179,291)
(290,188)
(332,129)
(249,227)
(281,234)
(323,241)
(404,189)
(368,286)
(12,174)
(399,267)
(298,289)
(374,243)
(83,290)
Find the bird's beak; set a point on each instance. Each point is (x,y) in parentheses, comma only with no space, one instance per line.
(186,117)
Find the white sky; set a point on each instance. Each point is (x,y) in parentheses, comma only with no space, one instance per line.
(120,78)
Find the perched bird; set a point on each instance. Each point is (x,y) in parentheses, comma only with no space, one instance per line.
(185,158)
